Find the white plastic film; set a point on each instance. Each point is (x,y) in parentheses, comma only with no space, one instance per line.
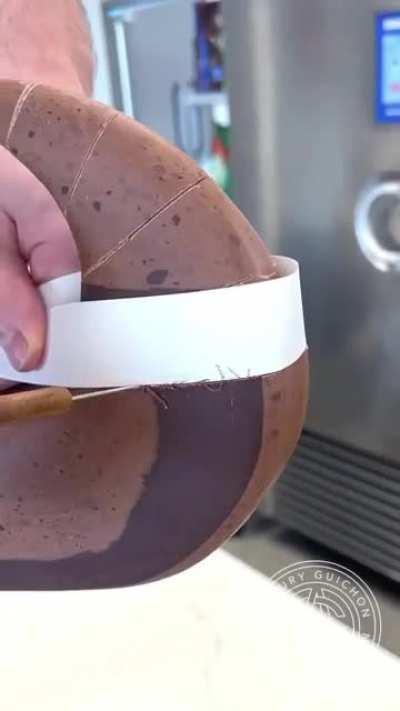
(221,334)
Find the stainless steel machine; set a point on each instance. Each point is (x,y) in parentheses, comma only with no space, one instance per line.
(315,103)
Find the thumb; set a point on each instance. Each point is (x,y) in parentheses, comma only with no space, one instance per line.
(34,233)
(22,313)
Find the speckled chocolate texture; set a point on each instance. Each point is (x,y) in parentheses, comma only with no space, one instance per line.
(142,484)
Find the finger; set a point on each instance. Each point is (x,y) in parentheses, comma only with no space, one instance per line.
(33,231)
(22,312)
(44,237)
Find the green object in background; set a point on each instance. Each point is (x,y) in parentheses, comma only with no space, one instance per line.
(223,134)
(218,165)
(216,168)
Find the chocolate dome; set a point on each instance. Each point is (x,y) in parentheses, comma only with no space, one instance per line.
(141,484)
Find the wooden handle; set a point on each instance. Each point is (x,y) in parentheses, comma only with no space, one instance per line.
(33,404)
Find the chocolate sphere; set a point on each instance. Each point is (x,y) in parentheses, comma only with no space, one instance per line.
(141,484)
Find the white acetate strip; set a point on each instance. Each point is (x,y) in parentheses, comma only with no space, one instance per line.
(222,334)
(64,290)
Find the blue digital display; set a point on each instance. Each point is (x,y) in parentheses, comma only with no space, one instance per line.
(388,67)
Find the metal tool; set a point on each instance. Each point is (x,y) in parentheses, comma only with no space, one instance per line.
(44,402)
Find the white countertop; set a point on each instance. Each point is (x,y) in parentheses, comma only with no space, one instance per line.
(219,637)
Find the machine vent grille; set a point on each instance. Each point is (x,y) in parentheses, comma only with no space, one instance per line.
(345,499)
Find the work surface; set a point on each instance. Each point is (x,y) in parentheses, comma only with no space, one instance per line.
(219,637)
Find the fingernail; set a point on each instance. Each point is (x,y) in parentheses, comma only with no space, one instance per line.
(17,350)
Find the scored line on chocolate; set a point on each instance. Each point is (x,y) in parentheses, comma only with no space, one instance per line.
(25,94)
(87,157)
(108,256)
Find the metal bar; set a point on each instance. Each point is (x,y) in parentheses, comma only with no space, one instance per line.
(124,68)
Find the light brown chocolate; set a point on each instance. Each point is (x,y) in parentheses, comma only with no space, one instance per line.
(139,485)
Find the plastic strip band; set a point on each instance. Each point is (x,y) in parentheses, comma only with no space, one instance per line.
(64,290)
(222,334)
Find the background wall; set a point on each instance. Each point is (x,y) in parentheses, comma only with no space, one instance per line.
(102,90)
(160,51)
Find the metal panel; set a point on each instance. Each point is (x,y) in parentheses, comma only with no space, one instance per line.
(302,79)
(345,499)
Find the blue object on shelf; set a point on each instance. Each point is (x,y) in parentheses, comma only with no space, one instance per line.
(204,70)
(218,74)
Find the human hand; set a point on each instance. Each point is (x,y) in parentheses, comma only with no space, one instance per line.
(34,235)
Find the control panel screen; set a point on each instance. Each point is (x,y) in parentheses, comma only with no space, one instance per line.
(388,68)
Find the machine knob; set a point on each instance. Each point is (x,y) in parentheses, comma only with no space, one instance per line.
(371,238)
